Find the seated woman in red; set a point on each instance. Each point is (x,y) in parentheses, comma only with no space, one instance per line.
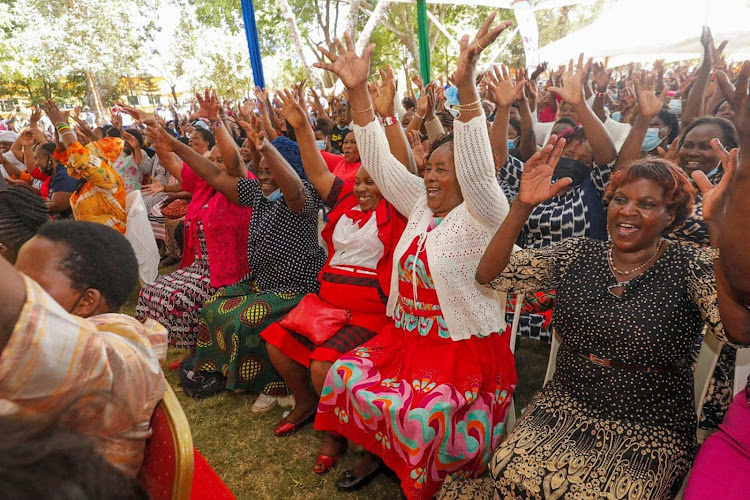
(360,236)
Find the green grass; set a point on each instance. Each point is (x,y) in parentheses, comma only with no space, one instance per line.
(255,464)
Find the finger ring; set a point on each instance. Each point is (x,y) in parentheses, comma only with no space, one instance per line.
(479,45)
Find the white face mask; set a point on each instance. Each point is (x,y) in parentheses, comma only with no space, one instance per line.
(675,106)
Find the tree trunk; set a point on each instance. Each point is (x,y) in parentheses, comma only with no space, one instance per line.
(94,94)
(372,23)
(174,93)
(291,23)
(351,22)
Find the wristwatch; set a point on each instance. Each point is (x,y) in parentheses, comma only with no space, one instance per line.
(389,120)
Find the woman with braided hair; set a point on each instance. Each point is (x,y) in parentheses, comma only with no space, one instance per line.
(22,212)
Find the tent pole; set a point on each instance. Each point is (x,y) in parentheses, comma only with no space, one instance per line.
(424,41)
(251,32)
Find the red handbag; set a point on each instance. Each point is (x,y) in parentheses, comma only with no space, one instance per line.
(315,319)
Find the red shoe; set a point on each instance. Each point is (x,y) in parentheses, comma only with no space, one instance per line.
(285,428)
(324,463)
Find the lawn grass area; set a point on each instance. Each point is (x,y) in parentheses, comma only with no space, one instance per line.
(255,464)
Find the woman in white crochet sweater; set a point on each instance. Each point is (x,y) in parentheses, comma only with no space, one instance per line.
(428,395)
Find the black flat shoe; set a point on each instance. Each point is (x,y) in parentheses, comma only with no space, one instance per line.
(349,482)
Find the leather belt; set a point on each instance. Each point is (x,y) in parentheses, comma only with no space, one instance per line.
(593,358)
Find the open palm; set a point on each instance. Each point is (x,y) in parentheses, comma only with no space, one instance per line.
(351,68)
(536,179)
(293,111)
(713,195)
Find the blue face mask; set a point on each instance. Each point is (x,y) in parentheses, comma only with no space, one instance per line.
(511,144)
(274,196)
(652,139)
(614,96)
(321,145)
(616,116)
(675,106)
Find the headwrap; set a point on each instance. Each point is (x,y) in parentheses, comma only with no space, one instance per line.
(290,151)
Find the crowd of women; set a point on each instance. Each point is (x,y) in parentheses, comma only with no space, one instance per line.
(355,261)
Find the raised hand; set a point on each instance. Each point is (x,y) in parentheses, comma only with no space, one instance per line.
(36,114)
(261,95)
(382,98)
(713,196)
(246,109)
(209,105)
(293,108)
(76,112)
(417,149)
(740,103)
(465,74)
(160,139)
(27,138)
(54,113)
(648,104)
(712,54)
(136,113)
(116,120)
(131,140)
(254,131)
(536,179)
(572,82)
(671,155)
(351,68)
(538,71)
(505,89)
(602,77)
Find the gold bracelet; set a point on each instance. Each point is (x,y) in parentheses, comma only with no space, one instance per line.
(364,110)
(475,108)
(478,102)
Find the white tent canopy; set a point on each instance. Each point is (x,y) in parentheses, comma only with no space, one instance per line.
(646,30)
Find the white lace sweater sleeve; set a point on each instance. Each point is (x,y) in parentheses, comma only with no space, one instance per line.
(399,186)
(475,170)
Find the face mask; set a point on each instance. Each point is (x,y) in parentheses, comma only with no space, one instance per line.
(576,170)
(616,116)
(652,139)
(614,96)
(274,196)
(675,106)
(511,143)
(321,145)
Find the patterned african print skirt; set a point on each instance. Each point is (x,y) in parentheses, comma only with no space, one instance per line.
(174,299)
(562,449)
(357,291)
(429,406)
(229,337)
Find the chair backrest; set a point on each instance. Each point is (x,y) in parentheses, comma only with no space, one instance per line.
(704,367)
(167,472)
(741,370)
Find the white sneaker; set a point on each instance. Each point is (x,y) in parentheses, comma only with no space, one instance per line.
(286,401)
(263,403)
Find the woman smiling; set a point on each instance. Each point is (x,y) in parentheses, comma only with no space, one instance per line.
(428,395)
(619,410)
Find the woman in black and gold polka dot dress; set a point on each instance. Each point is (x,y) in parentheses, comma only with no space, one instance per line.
(617,418)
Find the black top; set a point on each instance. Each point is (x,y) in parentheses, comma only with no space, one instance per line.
(654,323)
(283,250)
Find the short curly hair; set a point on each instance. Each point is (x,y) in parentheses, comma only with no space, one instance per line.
(678,190)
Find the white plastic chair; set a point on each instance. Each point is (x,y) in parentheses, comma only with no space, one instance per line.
(741,370)
(510,419)
(141,237)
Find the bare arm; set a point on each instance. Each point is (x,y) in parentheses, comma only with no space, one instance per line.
(312,161)
(383,101)
(12,298)
(203,167)
(528,136)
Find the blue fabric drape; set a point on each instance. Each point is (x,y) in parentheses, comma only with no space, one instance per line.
(251,32)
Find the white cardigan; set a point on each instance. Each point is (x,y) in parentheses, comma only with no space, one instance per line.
(456,245)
